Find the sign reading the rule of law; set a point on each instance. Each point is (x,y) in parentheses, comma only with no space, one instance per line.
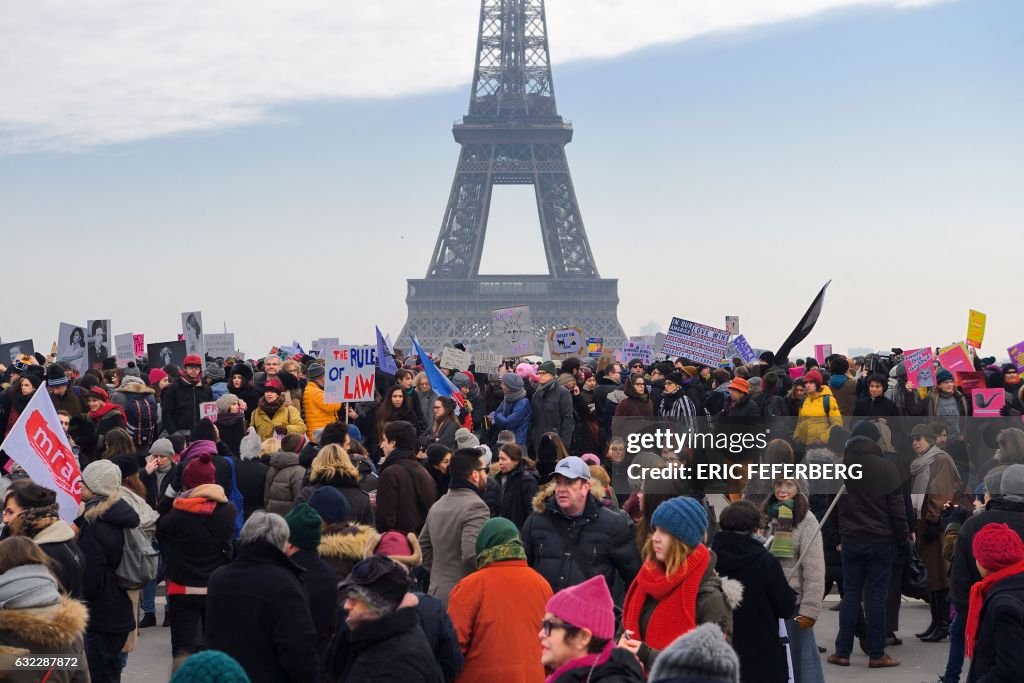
(349,374)
(695,342)
(514,326)
(565,342)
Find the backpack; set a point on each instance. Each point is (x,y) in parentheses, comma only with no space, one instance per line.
(139,561)
(235,496)
(140,418)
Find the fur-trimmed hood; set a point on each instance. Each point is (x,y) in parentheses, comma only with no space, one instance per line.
(134,385)
(58,532)
(540,501)
(91,513)
(52,628)
(352,542)
(410,561)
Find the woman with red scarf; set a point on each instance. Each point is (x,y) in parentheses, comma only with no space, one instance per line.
(103,415)
(677,587)
(994,636)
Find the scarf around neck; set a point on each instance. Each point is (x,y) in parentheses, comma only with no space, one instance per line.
(921,470)
(591,660)
(676,595)
(513,396)
(512,550)
(108,407)
(271,408)
(782,544)
(978,593)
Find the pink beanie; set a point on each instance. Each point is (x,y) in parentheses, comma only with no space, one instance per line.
(526,371)
(587,605)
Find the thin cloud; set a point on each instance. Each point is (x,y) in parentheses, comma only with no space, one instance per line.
(97,72)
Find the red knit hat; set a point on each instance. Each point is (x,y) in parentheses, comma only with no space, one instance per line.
(587,605)
(740,384)
(393,543)
(199,471)
(814,376)
(997,546)
(98,392)
(274,384)
(155,375)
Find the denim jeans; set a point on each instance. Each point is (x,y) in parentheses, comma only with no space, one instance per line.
(804,651)
(147,597)
(955,660)
(866,570)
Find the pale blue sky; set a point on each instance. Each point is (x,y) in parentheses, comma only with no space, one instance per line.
(732,173)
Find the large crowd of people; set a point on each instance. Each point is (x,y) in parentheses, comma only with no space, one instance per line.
(501,535)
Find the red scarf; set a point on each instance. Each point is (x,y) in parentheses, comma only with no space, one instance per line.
(108,407)
(978,593)
(676,595)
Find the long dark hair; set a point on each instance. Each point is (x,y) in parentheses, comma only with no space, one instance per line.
(447,416)
(386,412)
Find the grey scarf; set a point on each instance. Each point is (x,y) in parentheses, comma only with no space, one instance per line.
(27,586)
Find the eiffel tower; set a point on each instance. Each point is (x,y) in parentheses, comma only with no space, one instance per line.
(512,135)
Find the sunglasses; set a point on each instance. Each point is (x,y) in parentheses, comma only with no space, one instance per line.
(549,626)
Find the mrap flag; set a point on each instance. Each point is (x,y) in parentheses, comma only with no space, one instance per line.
(39,445)
(438,382)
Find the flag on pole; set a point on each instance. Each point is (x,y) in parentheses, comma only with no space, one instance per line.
(438,382)
(39,445)
(804,327)
(385,356)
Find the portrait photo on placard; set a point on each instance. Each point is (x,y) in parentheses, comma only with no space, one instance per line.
(11,351)
(100,343)
(163,354)
(72,347)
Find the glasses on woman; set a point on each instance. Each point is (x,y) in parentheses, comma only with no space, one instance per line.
(548,625)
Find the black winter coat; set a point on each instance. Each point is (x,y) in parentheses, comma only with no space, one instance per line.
(865,513)
(179,404)
(59,545)
(322,588)
(605,541)
(248,393)
(251,476)
(196,545)
(963,572)
(875,407)
(620,667)
(999,647)
(767,598)
(231,428)
(358,500)
(257,612)
(391,648)
(516,491)
(552,412)
(101,540)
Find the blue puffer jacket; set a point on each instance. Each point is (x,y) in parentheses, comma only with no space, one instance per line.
(514,416)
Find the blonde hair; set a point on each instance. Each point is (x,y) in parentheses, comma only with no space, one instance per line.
(269,446)
(291,366)
(330,461)
(675,554)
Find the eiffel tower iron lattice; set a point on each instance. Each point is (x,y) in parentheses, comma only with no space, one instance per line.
(512,135)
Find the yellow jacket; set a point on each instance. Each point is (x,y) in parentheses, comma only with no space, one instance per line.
(317,413)
(286,416)
(813,425)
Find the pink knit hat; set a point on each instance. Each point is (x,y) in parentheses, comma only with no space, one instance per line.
(587,605)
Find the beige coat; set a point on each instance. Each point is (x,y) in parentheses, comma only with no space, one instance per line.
(448,539)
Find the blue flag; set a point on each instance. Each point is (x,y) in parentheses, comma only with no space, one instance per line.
(385,361)
(438,382)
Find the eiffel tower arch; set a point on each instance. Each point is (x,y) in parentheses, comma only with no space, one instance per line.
(512,135)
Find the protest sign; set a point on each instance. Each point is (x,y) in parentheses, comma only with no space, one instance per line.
(124,347)
(37,442)
(99,342)
(970,381)
(920,367)
(955,358)
(821,352)
(732,324)
(139,345)
(208,409)
(595,347)
(975,328)
(163,354)
(659,345)
(988,402)
(1017,355)
(696,342)
(566,342)
(349,374)
(455,359)
(743,348)
(796,373)
(71,343)
(487,363)
(13,350)
(221,345)
(640,350)
(514,327)
(192,330)
(318,346)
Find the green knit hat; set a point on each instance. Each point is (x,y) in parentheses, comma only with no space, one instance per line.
(496,531)
(210,666)
(303,527)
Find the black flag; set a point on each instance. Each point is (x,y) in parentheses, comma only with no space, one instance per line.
(804,327)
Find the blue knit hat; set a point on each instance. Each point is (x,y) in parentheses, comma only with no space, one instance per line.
(210,666)
(354,433)
(330,504)
(943,376)
(682,517)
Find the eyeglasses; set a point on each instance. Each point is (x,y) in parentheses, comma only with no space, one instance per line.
(548,625)
(481,469)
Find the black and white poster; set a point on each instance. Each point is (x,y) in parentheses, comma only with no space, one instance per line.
(71,347)
(192,331)
(163,354)
(100,343)
(11,351)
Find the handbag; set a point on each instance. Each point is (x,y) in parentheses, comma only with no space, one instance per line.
(915,576)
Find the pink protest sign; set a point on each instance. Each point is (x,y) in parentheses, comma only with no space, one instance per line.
(920,367)
(139,340)
(1017,355)
(988,402)
(956,359)
(796,373)
(821,352)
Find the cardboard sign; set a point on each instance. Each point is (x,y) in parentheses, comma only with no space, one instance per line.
(349,374)
(640,350)
(1017,355)
(970,381)
(318,346)
(743,348)
(566,342)
(821,352)
(139,345)
(732,324)
(124,345)
(192,333)
(455,359)
(513,325)
(975,328)
(220,345)
(955,358)
(988,402)
(920,364)
(595,347)
(696,342)
(487,363)
(208,409)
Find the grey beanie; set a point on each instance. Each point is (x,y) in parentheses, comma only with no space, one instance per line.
(102,477)
(1011,486)
(754,383)
(162,447)
(461,380)
(131,379)
(702,654)
(27,586)
(214,371)
(466,439)
(132,372)
(225,402)
(512,381)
